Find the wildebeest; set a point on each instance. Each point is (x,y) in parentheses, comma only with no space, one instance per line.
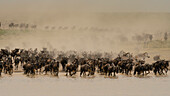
(29,69)
(109,69)
(48,68)
(138,69)
(128,68)
(55,68)
(112,69)
(16,60)
(160,66)
(142,69)
(34,60)
(12,25)
(147,68)
(64,61)
(8,69)
(122,65)
(38,67)
(164,66)
(86,68)
(70,68)
(5,52)
(15,52)
(105,68)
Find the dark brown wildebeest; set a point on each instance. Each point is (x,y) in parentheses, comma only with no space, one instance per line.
(116,60)
(147,68)
(29,69)
(112,69)
(86,68)
(55,68)
(70,68)
(64,61)
(160,66)
(38,67)
(15,52)
(128,68)
(5,52)
(16,60)
(76,62)
(105,68)
(122,65)
(142,69)
(100,66)
(164,66)
(8,69)
(48,68)
(138,69)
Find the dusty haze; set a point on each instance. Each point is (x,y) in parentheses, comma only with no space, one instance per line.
(85,25)
(97,26)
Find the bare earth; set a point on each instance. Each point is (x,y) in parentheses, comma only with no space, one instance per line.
(122,85)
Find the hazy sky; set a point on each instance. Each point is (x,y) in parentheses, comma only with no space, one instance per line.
(87,5)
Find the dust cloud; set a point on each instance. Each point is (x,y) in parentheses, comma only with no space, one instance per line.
(86,32)
(76,27)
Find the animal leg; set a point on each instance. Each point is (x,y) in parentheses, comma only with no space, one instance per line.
(80,73)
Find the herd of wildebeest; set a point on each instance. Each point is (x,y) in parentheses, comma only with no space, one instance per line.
(34,61)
